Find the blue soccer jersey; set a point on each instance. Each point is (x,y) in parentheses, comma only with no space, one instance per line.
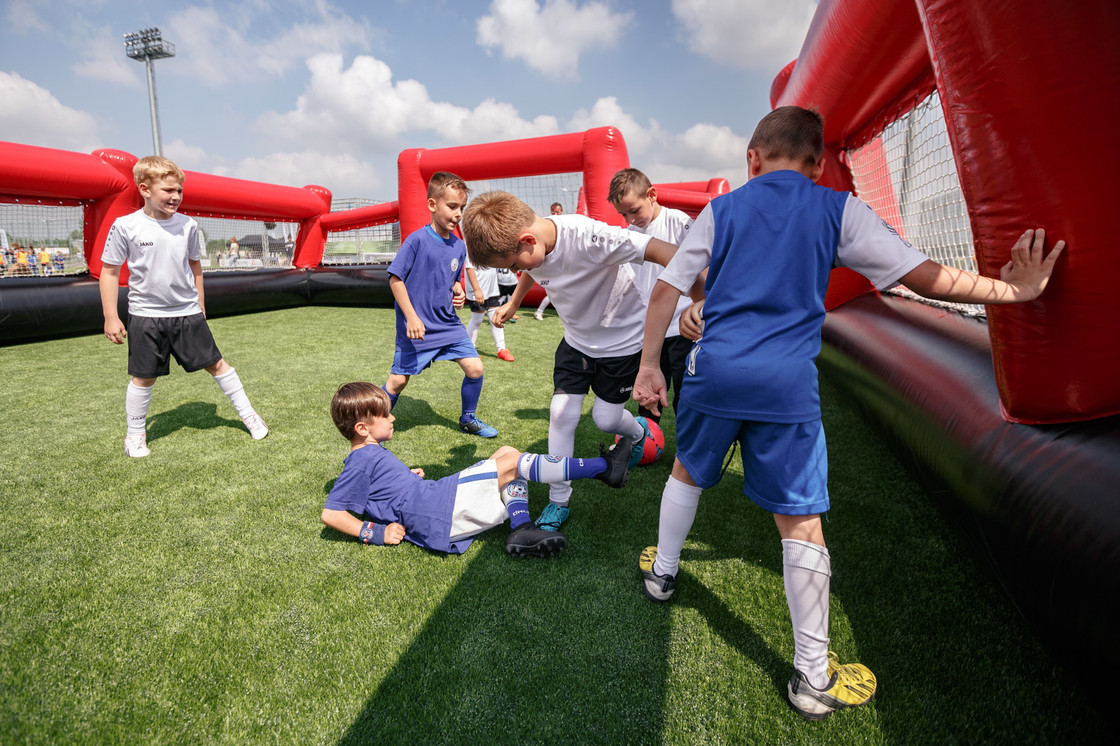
(377,485)
(429,265)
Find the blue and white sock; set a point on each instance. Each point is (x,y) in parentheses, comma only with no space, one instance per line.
(552,469)
(516,497)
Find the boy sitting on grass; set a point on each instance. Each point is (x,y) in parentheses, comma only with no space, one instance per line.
(395,502)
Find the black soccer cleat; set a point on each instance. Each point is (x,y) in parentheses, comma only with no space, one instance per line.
(527,540)
(618,464)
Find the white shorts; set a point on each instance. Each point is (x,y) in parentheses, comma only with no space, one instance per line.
(478,501)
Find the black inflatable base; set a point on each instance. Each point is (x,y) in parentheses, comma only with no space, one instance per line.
(37,308)
(1040,503)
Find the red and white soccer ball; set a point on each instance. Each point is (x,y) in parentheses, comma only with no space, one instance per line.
(654,444)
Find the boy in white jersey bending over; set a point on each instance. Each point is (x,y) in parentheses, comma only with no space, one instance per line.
(752,376)
(584,265)
(166,303)
(635,199)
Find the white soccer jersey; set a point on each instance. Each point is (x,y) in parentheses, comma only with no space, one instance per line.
(160,281)
(868,245)
(487,282)
(589,279)
(670,226)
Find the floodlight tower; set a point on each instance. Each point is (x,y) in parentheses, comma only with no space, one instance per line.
(147,45)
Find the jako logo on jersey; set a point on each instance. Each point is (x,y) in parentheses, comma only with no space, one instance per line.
(147,243)
(624,390)
(455,264)
(542,283)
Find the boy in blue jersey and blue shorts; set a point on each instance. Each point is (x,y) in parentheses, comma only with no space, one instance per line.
(381,501)
(166,302)
(751,377)
(424,279)
(585,266)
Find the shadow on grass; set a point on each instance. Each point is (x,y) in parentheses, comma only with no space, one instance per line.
(513,655)
(411,412)
(194,415)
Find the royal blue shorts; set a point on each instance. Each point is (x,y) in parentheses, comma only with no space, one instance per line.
(411,361)
(785,466)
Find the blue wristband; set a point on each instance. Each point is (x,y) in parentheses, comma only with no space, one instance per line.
(370,533)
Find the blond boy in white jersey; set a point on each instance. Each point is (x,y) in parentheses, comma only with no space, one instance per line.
(166,303)
(585,266)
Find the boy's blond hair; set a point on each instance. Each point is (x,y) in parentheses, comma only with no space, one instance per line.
(492,226)
(357,401)
(152,168)
(628,181)
(442,180)
(790,132)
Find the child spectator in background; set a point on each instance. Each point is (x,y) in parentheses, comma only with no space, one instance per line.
(585,266)
(752,377)
(635,199)
(166,303)
(381,501)
(424,278)
(482,294)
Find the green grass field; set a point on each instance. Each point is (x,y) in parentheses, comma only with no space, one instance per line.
(194,597)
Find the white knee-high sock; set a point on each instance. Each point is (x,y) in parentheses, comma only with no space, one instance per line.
(679,502)
(137,399)
(231,386)
(807,571)
(615,418)
(499,335)
(473,326)
(563,417)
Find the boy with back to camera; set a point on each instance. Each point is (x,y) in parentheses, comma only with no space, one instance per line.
(166,302)
(752,376)
(635,199)
(585,266)
(424,279)
(381,501)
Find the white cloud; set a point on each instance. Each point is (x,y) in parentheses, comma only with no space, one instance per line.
(21,17)
(105,60)
(760,35)
(31,115)
(549,39)
(344,175)
(362,108)
(188,157)
(221,48)
(702,152)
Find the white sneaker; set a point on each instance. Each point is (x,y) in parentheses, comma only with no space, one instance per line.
(539,316)
(256,426)
(136,446)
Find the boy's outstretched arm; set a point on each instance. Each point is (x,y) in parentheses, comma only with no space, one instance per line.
(649,385)
(345,522)
(509,308)
(1021,279)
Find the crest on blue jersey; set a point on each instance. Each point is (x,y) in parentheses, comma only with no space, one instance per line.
(455,264)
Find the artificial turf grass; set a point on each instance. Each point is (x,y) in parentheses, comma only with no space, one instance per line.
(193,596)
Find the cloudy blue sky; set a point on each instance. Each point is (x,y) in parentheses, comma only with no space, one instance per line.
(330,91)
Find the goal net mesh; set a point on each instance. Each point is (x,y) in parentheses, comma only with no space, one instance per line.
(908,175)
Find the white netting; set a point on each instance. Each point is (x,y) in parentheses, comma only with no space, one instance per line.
(28,228)
(376,244)
(908,175)
(258,243)
(539,192)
